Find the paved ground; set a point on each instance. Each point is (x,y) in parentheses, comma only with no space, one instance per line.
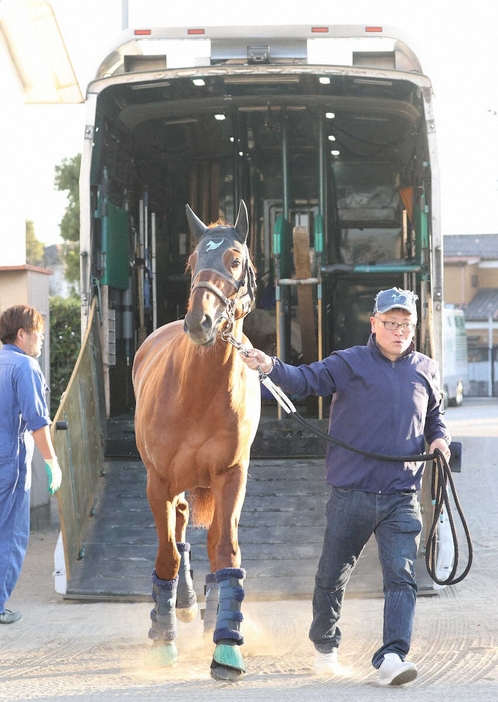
(65,651)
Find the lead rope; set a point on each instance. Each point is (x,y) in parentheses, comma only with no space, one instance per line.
(441,477)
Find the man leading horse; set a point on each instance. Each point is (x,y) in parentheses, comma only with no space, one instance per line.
(386,399)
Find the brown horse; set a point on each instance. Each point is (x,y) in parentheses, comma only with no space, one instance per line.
(197,411)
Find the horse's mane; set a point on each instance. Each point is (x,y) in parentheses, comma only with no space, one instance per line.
(219,223)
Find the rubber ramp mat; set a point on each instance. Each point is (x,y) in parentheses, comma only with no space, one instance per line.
(280,534)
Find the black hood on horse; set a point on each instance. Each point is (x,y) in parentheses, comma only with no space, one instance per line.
(220,257)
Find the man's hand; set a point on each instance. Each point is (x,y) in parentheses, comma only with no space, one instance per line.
(257,360)
(442,446)
(54,475)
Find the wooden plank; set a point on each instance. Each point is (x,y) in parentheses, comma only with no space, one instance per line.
(302,265)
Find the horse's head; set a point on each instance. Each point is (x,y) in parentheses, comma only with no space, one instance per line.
(223,278)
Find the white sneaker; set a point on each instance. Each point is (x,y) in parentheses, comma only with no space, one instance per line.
(326,663)
(394,671)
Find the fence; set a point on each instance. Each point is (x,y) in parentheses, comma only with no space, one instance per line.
(78,433)
(483,372)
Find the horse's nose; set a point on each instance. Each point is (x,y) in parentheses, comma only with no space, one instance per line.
(207,323)
(200,330)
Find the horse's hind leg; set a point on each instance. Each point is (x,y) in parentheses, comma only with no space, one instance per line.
(186,599)
(211,589)
(211,609)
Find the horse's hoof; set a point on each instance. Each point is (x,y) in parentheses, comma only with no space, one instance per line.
(162,655)
(221,672)
(227,663)
(187,614)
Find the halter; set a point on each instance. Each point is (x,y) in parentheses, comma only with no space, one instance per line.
(246,281)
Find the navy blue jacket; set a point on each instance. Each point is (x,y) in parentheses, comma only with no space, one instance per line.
(378,405)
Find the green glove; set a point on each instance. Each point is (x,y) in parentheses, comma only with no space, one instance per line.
(54,475)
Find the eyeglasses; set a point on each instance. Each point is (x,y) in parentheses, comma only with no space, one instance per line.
(394,326)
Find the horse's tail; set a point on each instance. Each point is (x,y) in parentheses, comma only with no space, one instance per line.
(201,503)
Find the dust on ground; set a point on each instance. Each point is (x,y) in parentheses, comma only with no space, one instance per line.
(64,650)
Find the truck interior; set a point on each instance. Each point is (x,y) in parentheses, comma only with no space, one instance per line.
(332,162)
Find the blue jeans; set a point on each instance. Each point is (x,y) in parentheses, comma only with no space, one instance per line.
(352,517)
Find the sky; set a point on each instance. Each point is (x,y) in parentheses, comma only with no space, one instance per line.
(457,49)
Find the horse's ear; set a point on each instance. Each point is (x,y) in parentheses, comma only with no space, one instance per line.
(242,223)
(196,226)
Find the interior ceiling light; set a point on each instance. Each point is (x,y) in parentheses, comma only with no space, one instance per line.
(220,116)
(330,115)
(324,80)
(331,137)
(198,81)
(335,152)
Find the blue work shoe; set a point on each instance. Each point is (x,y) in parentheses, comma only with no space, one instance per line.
(9,617)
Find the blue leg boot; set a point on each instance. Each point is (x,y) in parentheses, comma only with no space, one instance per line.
(227,663)
(163,617)
(186,599)
(210,613)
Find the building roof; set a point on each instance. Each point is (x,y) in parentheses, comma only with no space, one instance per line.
(471,245)
(26,267)
(483,306)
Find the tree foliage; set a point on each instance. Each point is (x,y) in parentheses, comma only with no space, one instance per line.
(65,342)
(67,180)
(34,247)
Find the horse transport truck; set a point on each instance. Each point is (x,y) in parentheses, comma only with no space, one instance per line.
(326,132)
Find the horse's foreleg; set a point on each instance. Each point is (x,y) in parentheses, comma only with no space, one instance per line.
(163,622)
(164,578)
(227,663)
(186,599)
(229,492)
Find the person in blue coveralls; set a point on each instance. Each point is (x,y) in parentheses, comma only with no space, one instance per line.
(24,419)
(386,399)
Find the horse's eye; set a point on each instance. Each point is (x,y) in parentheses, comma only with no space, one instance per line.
(235,263)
